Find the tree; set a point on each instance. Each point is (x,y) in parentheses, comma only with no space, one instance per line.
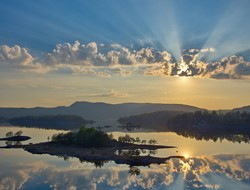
(152,141)
(133,170)
(9,134)
(111,136)
(127,139)
(19,133)
(137,140)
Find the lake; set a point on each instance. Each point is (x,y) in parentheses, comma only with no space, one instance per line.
(210,165)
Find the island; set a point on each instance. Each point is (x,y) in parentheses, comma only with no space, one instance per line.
(16,138)
(96,146)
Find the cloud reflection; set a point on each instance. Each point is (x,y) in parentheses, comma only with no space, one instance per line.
(207,172)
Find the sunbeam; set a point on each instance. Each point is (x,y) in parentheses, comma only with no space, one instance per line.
(178,182)
(231,33)
(224,183)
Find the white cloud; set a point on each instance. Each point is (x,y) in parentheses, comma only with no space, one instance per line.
(208,50)
(112,93)
(114,59)
(15,55)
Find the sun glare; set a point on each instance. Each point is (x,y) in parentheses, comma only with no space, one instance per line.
(183,68)
(186,155)
(183,78)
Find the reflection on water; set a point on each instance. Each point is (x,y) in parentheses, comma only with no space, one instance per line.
(210,172)
(38,135)
(190,146)
(12,143)
(22,170)
(136,152)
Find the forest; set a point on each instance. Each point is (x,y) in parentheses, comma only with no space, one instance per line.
(208,125)
(233,126)
(64,122)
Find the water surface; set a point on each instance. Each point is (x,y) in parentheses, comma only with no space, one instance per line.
(212,165)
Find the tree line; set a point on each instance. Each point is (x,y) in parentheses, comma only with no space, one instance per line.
(51,121)
(233,126)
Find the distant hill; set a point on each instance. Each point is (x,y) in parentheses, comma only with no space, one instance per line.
(245,108)
(66,122)
(102,113)
(158,120)
(155,120)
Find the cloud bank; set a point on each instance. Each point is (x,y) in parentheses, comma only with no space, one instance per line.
(114,59)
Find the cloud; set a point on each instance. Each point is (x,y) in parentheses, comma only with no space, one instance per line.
(75,54)
(115,60)
(193,64)
(106,60)
(92,55)
(14,55)
(19,58)
(112,93)
(226,68)
(243,69)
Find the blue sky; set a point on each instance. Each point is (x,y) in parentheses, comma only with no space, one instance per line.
(41,24)
(144,41)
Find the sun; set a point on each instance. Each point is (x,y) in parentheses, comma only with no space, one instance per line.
(183,68)
(186,155)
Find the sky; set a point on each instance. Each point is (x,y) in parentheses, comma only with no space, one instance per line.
(166,51)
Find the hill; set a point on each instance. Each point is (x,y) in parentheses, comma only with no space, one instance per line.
(155,120)
(102,113)
(242,109)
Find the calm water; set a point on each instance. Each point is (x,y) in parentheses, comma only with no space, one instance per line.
(211,165)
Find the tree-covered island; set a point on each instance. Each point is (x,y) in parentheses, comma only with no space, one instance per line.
(92,145)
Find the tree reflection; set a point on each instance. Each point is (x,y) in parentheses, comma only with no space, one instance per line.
(134,170)
(210,135)
(100,163)
(97,163)
(129,153)
(130,127)
(136,152)
(232,126)
(13,143)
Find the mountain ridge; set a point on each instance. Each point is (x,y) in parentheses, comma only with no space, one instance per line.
(103,113)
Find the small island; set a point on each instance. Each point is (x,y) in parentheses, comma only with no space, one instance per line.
(92,145)
(14,138)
